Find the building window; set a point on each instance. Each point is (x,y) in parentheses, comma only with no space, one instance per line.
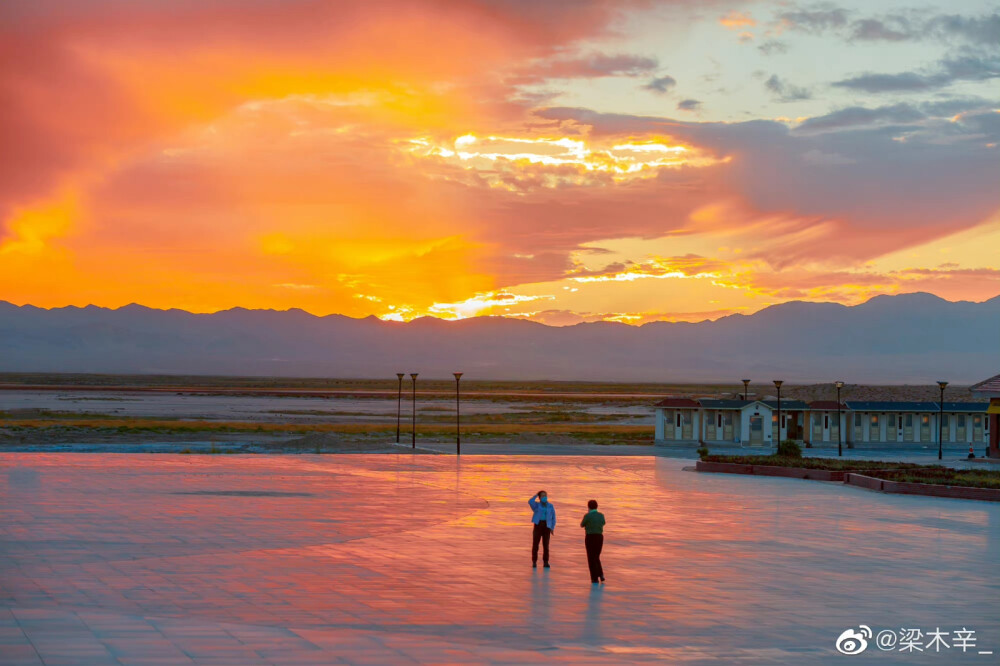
(678,419)
(718,420)
(826,421)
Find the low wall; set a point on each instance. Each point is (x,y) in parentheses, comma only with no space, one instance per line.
(928,489)
(725,468)
(770,470)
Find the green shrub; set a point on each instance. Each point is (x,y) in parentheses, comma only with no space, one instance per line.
(702,451)
(789,449)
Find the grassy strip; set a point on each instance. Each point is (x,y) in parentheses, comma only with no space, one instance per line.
(597,431)
(829,464)
(447,415)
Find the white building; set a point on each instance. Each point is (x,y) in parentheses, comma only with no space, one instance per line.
(740,422)
(754,423)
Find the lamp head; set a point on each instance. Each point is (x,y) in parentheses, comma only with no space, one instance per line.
(413,376)
(745,381)
(458,375)
(400,375)
(839,384)
(778,383)
(942,385)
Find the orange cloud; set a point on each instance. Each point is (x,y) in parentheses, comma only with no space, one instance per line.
(385,158)
(736,20)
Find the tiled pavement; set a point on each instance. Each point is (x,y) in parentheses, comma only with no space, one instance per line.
(179,559)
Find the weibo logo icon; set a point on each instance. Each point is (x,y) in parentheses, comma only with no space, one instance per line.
(854,642)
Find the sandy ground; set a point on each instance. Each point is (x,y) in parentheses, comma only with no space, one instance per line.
(292,409)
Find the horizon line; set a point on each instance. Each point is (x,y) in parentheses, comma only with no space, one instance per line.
(484,316)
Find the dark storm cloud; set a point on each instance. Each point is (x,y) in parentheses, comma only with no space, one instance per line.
(981,30)
(784,91)
(856,115)
(773,46)
(592,66)
(949,70)
(949,107)
(661,84)
(876,30)
(814,20)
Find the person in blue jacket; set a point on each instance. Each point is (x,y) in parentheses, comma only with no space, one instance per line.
(544,518)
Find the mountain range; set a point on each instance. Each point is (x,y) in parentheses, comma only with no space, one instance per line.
(905,338)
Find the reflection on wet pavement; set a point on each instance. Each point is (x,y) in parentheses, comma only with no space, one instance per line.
(400,559)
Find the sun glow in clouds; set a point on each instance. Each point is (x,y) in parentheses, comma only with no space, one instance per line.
(621,161)
(497,302)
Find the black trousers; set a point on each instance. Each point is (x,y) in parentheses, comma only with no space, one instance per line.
(594,543)
(540,533)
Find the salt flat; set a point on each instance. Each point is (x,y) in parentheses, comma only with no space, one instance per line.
(180,559)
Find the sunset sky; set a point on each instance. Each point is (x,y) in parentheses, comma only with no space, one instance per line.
(564,160)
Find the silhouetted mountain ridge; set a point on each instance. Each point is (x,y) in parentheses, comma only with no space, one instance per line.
(888,339)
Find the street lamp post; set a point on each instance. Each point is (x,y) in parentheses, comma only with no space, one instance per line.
(777,385)
(941,385)
(746,386)
(458,417)
(413,376)
(399,402)
(840,437)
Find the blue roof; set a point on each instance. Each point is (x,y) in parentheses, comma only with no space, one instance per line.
(891,406)
(914,406)
(786,404)
(715,403)
(965,406)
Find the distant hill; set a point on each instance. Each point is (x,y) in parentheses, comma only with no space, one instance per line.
(889,339)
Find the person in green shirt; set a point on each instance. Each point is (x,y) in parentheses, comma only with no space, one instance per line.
(593,525)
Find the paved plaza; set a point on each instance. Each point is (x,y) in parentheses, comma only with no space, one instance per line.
(396,559)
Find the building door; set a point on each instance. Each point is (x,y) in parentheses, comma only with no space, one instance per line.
(859,421)
(893,427)
(960,422)
(908,427)
(727,426)
(817,428)
(687,432)
(925,428)
(756,430)
(874,429)
(977,428)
